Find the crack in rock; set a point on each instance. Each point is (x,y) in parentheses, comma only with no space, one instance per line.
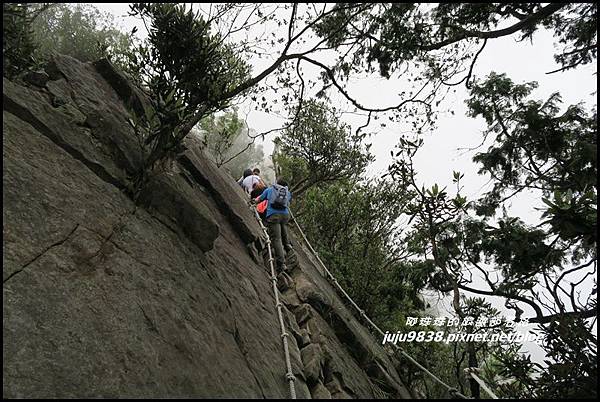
(240,343)
(120,224)
(58,243)
(129,254)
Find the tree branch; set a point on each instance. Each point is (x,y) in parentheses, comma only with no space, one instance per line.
(562,275)
(576,314)
(535,307)
(526,22)
(331,76)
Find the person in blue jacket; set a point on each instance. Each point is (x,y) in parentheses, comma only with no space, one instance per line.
(278,215)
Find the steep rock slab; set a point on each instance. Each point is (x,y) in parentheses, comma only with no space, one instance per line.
(225,191)
(32,107)
(105,299)
(172,196)
(47,193)
(122,305)
(133,97)
(351,345)
(106,113)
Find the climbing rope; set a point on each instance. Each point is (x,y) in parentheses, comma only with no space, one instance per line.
(289,375)
(451,390)
(471,371)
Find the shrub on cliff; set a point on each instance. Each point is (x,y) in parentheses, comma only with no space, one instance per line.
(187,69)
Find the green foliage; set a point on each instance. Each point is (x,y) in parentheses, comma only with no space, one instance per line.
(32,32)
(535,147)
(318,148)
(80,31)
(570,369)
(438,357)
(477,354)
(577,32)
(573,217)
(392,35)
(189,72)
(227,143)
(19,49)
(182,54)
(512,374)
(518,250)
(352,225)
(572,366)
(295,170)
(219,133)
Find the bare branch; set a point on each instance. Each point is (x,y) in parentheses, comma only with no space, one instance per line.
(364,125)
(468,76)
(331,76)
(535,307)
(576,314)
(562,275)
(292,20)
(529,21)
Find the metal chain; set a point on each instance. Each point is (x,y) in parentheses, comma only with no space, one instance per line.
(471,371)
(289,375)
(450,389)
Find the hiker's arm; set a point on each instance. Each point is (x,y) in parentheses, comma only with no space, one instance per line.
(263,196)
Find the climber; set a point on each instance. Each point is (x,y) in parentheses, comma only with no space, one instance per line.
(261,208)
(247,172)
(249,181)
(278,215)
(257,186)
(257,189)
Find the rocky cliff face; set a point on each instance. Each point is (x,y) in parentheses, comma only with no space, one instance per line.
(167,298)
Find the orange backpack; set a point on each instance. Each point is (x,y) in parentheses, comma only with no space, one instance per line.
(262,207)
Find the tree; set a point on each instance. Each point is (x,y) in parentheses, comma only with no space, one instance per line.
(352,223)
(434,45)
(19,49)
(226,139)
(318,148)
(80,31)
(187,70)
(195,65)
(219,133)
(391,35)
(537,148)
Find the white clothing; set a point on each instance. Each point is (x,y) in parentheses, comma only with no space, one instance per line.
(249,182)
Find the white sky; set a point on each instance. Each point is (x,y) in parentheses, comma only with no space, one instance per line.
(521,61)
(441,154)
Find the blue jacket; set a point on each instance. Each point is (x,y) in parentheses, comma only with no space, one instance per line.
(270,210)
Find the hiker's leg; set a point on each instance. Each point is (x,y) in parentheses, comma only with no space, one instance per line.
(275,235)
(285,240)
